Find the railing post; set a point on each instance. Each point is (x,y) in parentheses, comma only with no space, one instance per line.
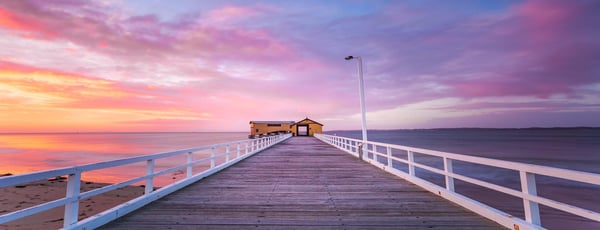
(189,161)
(246,148)
(411,160)
(150,178)
(448,168)
(365,150)
(238,150)
(375,153)
(227,153)
(347,143)
(72,207)
(360,149)
(528,186)
(212,157)
(389,156)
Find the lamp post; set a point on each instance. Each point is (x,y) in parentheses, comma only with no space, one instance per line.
(361,91)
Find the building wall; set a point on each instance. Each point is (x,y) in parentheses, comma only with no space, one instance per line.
(312,127)
(265,128)
(257,129)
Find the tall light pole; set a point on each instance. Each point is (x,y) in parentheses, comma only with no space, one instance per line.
(361,91)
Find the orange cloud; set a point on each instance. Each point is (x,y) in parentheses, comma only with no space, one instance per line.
(37,100)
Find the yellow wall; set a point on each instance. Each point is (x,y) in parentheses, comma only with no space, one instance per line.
(312,127)
(264,128)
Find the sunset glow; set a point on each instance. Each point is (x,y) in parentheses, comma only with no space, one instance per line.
(136,66)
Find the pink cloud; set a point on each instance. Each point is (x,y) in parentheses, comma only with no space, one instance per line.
(222,61)
(231,12)
(537,48)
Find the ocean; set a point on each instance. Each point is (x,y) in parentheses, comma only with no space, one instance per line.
(575,148)
(21,153)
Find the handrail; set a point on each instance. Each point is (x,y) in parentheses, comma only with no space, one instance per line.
(527,174)
(244,149)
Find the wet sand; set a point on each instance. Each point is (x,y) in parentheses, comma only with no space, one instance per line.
(21,196)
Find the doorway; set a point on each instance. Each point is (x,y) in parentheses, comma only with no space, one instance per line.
(302,130)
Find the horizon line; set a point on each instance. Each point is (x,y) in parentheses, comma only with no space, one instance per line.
(133,132)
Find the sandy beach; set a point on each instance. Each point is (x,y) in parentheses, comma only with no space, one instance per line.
(26,195)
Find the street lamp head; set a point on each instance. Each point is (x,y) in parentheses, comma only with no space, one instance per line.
(349,57)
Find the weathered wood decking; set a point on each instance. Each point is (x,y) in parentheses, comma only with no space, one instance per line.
(302,183)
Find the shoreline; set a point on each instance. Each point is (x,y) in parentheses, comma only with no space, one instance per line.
(17,197)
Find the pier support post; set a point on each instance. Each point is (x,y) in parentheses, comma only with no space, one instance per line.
(532,210)
(72,207)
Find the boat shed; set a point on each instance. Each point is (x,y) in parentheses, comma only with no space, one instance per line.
(261,128)
(306,127)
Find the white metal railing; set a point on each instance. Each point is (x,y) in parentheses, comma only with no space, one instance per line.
(243,149)
(527,174)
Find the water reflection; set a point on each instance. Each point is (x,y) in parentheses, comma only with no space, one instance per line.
(22,153)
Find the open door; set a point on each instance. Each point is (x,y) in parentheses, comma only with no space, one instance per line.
(302,130)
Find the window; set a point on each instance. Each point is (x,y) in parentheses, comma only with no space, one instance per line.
(279,125)
(257,130)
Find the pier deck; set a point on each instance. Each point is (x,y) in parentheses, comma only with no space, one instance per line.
(302,183)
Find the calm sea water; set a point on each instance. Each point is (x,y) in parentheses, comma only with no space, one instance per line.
(21,153)
(577,149)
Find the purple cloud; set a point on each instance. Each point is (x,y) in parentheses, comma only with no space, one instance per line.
(288,57)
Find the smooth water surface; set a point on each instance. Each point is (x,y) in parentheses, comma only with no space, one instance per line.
(21,153)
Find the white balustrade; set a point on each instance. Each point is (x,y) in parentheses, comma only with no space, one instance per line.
(527,174)
(73,195)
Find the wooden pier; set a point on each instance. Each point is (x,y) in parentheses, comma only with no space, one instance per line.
(302,183)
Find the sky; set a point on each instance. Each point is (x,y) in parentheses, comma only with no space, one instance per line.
(186,65)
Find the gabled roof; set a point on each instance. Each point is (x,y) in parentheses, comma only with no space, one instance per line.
(306,119)
(272,122)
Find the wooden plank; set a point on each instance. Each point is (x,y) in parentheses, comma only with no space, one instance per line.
(302,183)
